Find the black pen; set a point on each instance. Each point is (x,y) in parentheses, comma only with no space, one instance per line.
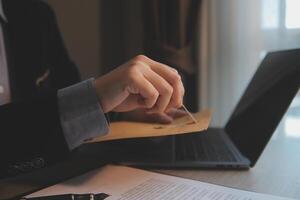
(88,196)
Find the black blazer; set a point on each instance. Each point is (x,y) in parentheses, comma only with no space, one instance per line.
(30,131)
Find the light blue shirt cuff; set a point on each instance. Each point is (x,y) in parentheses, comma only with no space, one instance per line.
(81,115)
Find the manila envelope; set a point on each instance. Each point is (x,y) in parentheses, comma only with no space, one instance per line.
(126,129)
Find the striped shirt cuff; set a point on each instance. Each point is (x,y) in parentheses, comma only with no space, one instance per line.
(81,115)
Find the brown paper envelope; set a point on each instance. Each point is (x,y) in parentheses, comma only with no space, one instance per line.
(124,129)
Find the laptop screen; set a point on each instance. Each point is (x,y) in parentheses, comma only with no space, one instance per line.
(264,102)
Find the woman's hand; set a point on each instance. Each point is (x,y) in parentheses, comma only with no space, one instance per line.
(140,83)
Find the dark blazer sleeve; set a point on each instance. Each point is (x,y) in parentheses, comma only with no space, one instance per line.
(31,135)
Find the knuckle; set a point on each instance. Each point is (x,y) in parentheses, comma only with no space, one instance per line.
(176,81)
(132,74)
(167,90)
(133,69)
(175,71)
(183,91)
(177,103)
(138,64)
(150,105)
(140,58)
(153,95)
(176,77)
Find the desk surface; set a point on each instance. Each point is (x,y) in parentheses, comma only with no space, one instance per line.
(277,172)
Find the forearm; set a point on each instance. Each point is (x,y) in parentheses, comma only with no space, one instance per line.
(49,127)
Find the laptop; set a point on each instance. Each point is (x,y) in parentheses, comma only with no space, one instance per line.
(244,137)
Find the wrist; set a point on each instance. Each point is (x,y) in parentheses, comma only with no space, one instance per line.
(98,85)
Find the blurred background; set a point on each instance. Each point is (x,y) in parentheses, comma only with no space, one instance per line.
(215,44)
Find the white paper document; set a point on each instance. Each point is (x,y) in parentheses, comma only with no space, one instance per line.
(124,183)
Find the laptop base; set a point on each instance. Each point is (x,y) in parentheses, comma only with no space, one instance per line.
(209,149)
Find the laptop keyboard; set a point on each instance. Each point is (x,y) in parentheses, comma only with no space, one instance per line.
(202,147)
